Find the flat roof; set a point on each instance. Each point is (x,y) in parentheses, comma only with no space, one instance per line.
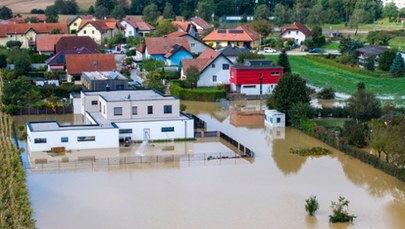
(56,126)
(130,95)
(104,75)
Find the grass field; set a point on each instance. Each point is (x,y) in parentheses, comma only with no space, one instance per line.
(344,81)
(333,45)
(25,6)
(330,123)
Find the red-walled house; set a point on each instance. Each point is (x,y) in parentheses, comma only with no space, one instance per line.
(246,78)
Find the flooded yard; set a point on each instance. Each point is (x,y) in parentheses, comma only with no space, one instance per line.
(270,192)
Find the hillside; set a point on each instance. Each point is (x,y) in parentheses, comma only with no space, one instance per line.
(25,6)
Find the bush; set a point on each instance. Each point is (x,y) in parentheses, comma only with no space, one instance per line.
(171,75)
(311,205)
(38,58)
(340,213)
(326,93)
(314,151)
(196,94)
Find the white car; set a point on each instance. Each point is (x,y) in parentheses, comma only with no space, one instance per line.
(269,50)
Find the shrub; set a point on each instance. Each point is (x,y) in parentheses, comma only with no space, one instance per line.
(311,205)
(198,94)
(314,151)
(326,93)
(340,211)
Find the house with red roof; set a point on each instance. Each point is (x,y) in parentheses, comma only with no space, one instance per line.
(200,24)
(186,26)
(135,26)
(213,67)
(255,77)
(170,50)
(74,23)
(76,64)
(197,46)
(27,33)
(242,36)
(297,32)
(45,43)
(99,30)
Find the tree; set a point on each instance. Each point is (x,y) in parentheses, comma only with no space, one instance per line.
(5,13)
(379,137)
(264,27)
(19,93)
(363,105)
(386,59)
(283,97)
(164,27)
(31,20)
(300,113)
(391,12)
(205,9)
(355,132)
(3,61)
(22,64)
(378,38)
(137,6)
(152,64)
(154,80)
(91,10)
(340,212)
(398,67)
(60,6)
(370,63)
(150,13)
(299,13)
(108,4)
(357,18)
(282,15)
(283,61)
(317,37)
(316,15)
(262,12)
(168,12)
(349,46)
(101,12)
(187,8)
(71,7)
(51,13)
(192,75)
(118,12)
(311,205)
(13,44)
(248,55)
(326,93)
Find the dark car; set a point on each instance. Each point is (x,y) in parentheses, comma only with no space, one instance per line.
(315,50)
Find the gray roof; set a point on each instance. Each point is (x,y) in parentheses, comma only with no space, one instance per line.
(372,50)
(104,75)
(55,126)
(130,95)
(232,51)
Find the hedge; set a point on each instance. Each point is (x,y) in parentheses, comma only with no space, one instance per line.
(38,58)
(196,94)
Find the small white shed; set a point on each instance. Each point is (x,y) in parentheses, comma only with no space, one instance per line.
(274,118)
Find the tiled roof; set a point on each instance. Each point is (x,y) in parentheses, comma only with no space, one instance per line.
(201,22)
(39,28)
(83,17)
(78,63)
(232,51)
(59,58)
(177,34)
(47,42)
(16,20)
(184,26)
(162,45)
(240,33)
(74,42)
(299,27)
(138,23)
(372,50)
(99,25)
(202,61)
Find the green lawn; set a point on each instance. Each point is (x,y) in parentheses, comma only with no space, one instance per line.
(334,45)
(330,123)
(322,75)
(398,43)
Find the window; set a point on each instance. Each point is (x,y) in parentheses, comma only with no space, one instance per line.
(125,131)
(296,32)
(249,86)
(134,110)
(275,73)
(192,45)
(75,24)
(94,102)
(130,32)
(150,109)
(104,109)
(212,65)
(167,129)
(64,139)
(167,109)
(117,111)
(84,32)
(289,32)
(86,138)
(225,66)
(278,120)
(214,78)
(39,140)
(93,32)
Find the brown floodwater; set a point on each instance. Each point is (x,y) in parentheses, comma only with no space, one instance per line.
(270,192)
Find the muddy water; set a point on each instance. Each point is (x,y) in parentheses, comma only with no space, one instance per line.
(268,193)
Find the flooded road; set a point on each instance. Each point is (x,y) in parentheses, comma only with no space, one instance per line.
(268,193)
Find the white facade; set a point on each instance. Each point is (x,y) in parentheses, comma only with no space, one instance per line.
(254,89)
(110,116)
(196,46)
(399,3)
(216,73)
(298,36)
(274,118)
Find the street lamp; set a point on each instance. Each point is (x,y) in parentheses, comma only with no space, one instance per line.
(261,86)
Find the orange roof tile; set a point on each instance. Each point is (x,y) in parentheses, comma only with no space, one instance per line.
(137,22)
(240,33)
(46,42)
(298,26)
(177,34)
(162,45)
(184,26)
(76,64)
(202,61)
(201,22)
(39,28)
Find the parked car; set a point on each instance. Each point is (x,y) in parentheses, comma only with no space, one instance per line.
(269,50)
(315,50)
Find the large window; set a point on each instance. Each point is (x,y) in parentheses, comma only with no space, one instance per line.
(167,129)
(134,110)
(64,139)
(150,109)
(117,111)
(214,78)
(225,66)
(86,138)
(39,140)
(167,109)
(94,102)
(125,131)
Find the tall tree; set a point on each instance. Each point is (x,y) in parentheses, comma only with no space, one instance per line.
(205,9)
(398,67)
(193,75)
(150,13)
(391,12)
(51,13)
(5,13)
(262,12)
(118,12)
(168,12)
(91,10)
(164,27)
(282,15)
(264,27)
(101,12)
(154,80)
(363,105)
(283,97)
(283,61)
(108,4)
(316,15)
(358,17)
(137,6)
(386,59)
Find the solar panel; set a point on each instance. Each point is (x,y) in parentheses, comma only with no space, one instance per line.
(221,30)
(236,31)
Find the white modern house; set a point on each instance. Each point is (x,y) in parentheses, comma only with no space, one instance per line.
(213,67)
(113,116)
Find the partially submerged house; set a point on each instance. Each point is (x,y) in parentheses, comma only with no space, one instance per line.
(111,116)
(242,36)
(255,77)
(104,80)
(213,67)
